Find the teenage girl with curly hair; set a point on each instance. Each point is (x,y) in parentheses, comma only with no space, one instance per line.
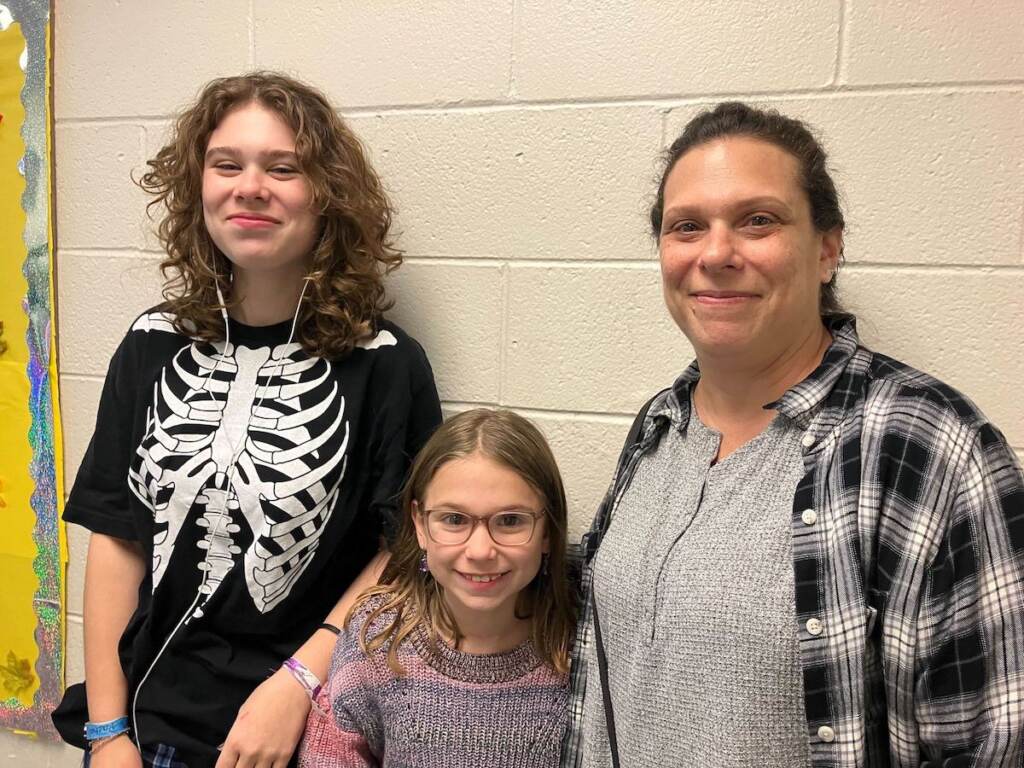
(252,435)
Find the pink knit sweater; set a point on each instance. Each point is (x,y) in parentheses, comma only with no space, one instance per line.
(450,709)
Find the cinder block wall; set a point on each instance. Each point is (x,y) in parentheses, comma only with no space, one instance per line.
(519,138)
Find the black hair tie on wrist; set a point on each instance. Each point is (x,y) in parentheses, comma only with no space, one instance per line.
(330,628)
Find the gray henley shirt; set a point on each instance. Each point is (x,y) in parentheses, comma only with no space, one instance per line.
(694,587)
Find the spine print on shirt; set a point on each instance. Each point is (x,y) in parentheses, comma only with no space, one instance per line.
(250,445)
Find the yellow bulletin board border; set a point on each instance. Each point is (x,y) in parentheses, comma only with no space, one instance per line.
(34,18)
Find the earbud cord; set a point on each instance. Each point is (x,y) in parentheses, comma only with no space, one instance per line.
(230,475)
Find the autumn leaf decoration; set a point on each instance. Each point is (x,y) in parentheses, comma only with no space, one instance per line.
(17,674)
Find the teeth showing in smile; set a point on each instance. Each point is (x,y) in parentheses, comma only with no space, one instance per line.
(483,578)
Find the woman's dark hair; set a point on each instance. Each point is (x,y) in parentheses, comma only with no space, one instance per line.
(733,118)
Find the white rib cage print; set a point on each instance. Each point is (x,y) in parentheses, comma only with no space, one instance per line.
(253,455)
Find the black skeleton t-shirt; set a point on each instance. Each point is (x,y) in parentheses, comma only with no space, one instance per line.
(258,481)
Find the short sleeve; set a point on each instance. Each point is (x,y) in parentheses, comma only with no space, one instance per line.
(99,499)
(406,412)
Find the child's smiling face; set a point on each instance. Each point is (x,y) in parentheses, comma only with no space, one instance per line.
(481,578)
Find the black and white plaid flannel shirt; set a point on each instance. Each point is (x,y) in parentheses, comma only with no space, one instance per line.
(909,573)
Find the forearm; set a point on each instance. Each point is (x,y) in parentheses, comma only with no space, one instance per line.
(269,724)
(113,571)
(315,653)
(970,647)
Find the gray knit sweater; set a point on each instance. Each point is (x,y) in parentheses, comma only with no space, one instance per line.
(450,709)
(694,587)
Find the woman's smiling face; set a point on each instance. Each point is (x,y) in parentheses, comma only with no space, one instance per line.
(742,264)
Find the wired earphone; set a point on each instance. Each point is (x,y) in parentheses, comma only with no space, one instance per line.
(229,473)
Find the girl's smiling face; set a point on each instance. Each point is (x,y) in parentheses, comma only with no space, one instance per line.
(480,578)
(256,200)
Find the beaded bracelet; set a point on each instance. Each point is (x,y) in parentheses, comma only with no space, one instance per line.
(115,727)
(304,676)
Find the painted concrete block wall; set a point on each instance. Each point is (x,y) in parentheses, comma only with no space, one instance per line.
(520,137)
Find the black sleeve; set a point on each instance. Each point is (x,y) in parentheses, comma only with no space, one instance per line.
(99,498)
(407,413)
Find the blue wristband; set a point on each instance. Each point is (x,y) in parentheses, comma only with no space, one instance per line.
(97,731)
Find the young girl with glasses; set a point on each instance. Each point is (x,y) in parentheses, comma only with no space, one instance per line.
(459,657)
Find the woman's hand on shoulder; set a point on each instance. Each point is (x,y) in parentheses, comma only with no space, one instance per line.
(119,752)
(269,725)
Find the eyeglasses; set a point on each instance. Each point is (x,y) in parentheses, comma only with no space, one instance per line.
(512,528)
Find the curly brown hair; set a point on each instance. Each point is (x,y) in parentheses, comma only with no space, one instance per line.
(354,251)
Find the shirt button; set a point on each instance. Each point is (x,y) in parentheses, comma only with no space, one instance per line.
(807,440)
(809,516)
(814,626)
(826,734)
